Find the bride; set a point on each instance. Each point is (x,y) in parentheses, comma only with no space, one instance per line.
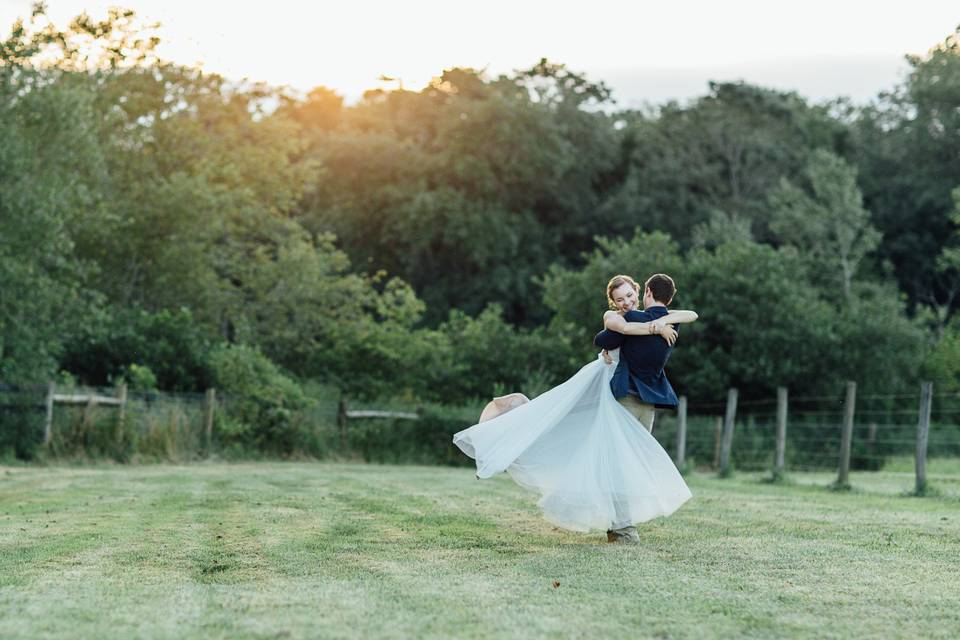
(593,464)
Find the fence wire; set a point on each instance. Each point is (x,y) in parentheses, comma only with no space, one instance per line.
(884,435)
(162,425)
(172,426)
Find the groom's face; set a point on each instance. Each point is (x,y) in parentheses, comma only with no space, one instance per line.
(648,300)
(625,297)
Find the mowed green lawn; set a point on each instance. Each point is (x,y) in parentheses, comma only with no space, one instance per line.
(302,550)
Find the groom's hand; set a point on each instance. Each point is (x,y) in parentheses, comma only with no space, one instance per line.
(606,357)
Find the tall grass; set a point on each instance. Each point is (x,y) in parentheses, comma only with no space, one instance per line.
(151,427)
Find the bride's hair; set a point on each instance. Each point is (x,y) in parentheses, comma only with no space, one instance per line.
(617,282)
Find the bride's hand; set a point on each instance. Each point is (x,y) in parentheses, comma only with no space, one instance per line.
(668,333)
(606,357)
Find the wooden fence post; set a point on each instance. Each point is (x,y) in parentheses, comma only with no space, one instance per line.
(846,439)
(342,419)
(122,397)
(86,423)
(923,430)
(209,403)
(718,435)
(727,441)
(779,466)
(88,410)
(681,431)
(48,423)
(121,412)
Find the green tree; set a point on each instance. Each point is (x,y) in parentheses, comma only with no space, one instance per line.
(469,188)
(908,153)
(49,163)
(825,218)
(764,319)
(116,342)
(723,152)
(489,357)
(947,274)
(942,363)
(194,196)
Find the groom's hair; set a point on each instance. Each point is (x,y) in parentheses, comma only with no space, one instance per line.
(662,287)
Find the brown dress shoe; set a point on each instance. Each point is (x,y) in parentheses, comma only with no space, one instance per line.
(626,535)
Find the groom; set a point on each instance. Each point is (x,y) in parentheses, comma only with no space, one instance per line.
(639,383)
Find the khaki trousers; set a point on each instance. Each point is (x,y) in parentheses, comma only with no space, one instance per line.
(642,411)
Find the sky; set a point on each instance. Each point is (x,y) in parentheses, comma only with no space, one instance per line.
(648,52)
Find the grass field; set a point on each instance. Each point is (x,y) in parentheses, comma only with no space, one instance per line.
(302,550)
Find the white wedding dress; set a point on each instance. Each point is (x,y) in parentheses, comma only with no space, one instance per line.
(593,464)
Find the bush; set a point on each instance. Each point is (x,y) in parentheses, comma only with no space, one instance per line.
(264,409)
(490,357)
(168,344)
(428,440)
(140,378)
(21,422)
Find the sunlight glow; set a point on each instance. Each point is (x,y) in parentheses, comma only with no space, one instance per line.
(349,45)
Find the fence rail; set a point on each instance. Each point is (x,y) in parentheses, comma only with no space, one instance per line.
(111,422)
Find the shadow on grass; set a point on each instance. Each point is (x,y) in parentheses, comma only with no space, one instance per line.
(926,491)
(840,487)
(777,477)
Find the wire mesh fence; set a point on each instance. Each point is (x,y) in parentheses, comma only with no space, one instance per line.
(184,426)
(884,435)
(95,422)
(81,422)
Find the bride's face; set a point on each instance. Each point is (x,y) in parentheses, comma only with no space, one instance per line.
(625,297)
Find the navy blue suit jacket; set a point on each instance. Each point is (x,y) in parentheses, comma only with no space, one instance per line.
(642,359)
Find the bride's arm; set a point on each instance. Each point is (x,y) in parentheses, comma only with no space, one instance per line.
(674,317)
(616,322)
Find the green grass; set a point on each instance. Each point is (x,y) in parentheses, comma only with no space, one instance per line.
(301,550)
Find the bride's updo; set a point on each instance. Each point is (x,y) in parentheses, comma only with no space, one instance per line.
(615,283)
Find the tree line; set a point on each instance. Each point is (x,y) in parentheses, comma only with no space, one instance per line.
(169,227)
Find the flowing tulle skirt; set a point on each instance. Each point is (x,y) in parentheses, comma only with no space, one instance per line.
(593,464)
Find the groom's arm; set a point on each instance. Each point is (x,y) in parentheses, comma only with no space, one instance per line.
(607,339)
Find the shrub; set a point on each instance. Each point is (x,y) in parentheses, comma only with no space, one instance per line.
(169,344)
(264,409)
(428,440)
(21,422)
